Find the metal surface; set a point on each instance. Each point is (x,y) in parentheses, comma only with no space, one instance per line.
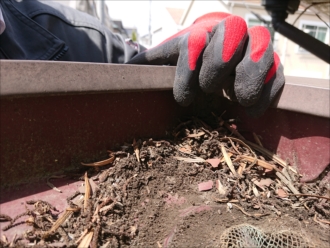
(30,78)
(49,78)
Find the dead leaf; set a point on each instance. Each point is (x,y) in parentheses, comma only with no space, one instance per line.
(86,240)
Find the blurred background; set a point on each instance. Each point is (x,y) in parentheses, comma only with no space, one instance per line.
(150,22)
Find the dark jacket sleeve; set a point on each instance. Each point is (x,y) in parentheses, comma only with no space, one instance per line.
(50,31)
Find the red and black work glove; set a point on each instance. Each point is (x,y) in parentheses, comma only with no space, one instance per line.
(213,49)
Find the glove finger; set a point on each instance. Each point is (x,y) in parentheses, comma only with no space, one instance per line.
(189,62)
(166,53)
(273,83)
(223,53)
(252,70)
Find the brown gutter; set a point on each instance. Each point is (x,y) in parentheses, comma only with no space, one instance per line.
(30,78)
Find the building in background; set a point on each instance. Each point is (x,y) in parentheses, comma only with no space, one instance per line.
(296,60)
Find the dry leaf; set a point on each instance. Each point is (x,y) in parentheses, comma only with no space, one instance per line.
(227,159)
(86,240)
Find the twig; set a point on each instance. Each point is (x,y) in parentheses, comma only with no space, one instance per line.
(87,192)
(100,163)
(317,196)
(259,162)
(287,182)
(52,186)
(4,218)
(224,200)
(11,225)
(95,237)
(251,215)
(82,236)
(233,145)
(267,153)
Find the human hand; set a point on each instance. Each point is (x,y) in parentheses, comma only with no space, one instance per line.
(218,50)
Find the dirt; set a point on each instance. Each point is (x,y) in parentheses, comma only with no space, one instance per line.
(157,202)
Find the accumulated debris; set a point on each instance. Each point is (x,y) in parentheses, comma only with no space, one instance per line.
(147,193)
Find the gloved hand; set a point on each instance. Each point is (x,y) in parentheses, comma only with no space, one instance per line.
(213,49)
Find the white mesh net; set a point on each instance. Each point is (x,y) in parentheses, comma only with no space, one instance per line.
(245,235)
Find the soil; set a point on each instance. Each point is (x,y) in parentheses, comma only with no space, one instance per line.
(157,202)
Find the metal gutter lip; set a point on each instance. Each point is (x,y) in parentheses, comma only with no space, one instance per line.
(21,78)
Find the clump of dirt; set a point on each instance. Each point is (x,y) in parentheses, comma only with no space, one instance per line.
(183,192)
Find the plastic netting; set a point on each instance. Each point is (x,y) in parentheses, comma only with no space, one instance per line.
(245,235)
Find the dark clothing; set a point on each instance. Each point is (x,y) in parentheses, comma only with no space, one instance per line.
(50,31)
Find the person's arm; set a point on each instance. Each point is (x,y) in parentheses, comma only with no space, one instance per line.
(51,31)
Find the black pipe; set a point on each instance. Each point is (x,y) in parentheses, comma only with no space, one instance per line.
(316,47)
